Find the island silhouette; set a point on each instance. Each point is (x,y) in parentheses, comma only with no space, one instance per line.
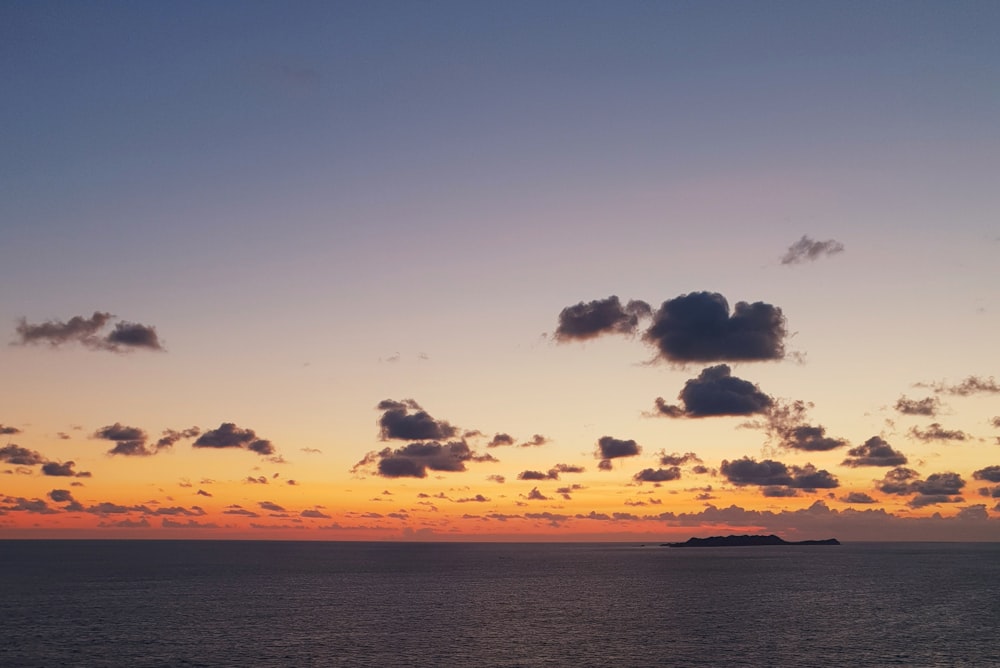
(747,541)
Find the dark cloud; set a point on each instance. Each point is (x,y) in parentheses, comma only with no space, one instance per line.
(259,480)
(499,440)
(64,469)
(534,441)
(601,316)
(990,474)
(5,430)
(171,436)
(697,327)
(995,421)
(537,475)
(857,497)
(613,448)
(133,335)
(535,495)
(971,385)
(15,454)
(398,422)
(415,459)
(315,514)
(902,481)
(61,495)
(717,392)
(124,337)
(202,492)
(129,441)
(240,511)
(779,492)
(496,478)
(786,424)
(271,506)
(567,468)
(809,250)
(922,500)
(935,432)
(770,473)
(677,459)
(228,435)
(928,406)
(874,452)
(658,475)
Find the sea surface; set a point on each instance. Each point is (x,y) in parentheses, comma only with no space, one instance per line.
(257,604)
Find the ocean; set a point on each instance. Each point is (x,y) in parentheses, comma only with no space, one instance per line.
(232,603)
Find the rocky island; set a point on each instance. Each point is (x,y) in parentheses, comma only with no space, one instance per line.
(747,541)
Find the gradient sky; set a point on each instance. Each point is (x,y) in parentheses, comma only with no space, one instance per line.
(355,262)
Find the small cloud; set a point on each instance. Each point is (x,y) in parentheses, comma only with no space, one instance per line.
(786,424)
(125,336)
(935,432)
(990,474)
(601,316)
(534,441)
(809,250)
(613,448)
(874,452)
(499,440)
(716,392)
(6,430)
(969,386)
(857,497)
(270,506)
(928,406)
(315,514)
(228,435)
(677,459)
(657,475)
(15,454)
(535,495)
(406,420)
(770,473)
(63,469)
(415,459)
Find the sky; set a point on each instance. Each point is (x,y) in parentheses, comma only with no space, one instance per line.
(552,271)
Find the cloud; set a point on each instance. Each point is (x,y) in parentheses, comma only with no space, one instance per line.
(716,392)
(786,424)
(969,386)
(535,495)
(995,421)
(537,475)
(874,452)
(499,440)
(397,422)
(657,475)
(478,498)
(534,441)
(64,469)
(809,250)
(990,474)
(315,514)
(601,316)
(415,459)
(857,497)
(779,492)
(270,506)
(168,523)
(613,448)
(228,435)
(928,406)
(677,459)
(124,337)
(202,492)
(567,468)
(935,432)
(129,441)
(697,327)
(15,454)
(5,430)
(770,473)
(171,436)
(902,481)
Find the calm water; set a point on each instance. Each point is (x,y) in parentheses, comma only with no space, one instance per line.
(137,603)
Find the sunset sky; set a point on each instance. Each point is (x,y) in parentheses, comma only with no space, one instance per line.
(500,271)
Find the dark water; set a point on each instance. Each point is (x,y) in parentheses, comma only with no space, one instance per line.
(131,603)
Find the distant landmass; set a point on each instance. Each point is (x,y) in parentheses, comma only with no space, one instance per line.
(747,541)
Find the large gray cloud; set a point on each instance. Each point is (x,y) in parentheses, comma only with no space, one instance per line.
(406,420)
(125,336)
(808,250)
(874,452)
(936,488)
(698,327)
(228,435)
(601,316)
(716,392)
